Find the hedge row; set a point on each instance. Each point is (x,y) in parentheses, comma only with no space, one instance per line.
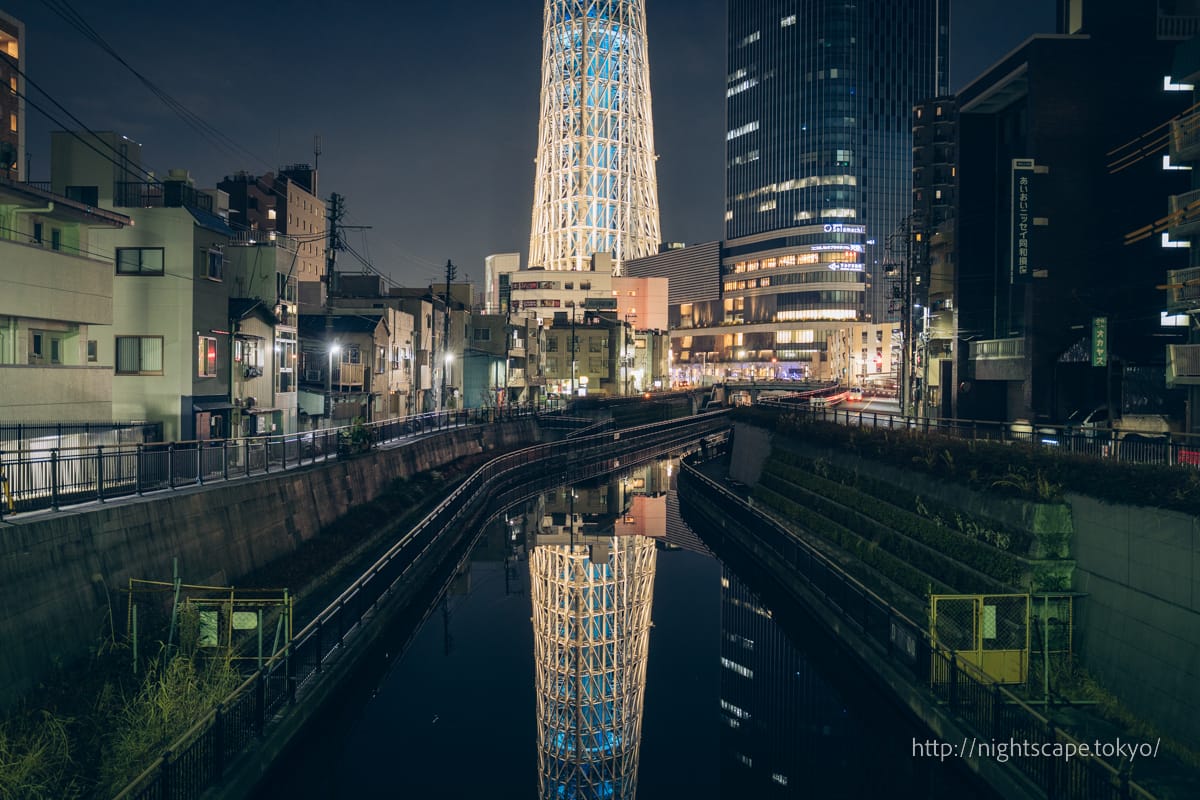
(1016,469)
(984,557)
(1018,541)
(895,569)
(912,552)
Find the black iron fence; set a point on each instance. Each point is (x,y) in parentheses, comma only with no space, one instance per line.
(991,711)
(51,477)
(200,757)
(1127,446)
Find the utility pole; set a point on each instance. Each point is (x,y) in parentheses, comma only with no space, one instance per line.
(508,337)
(573,351)
(336,211)
(450,273)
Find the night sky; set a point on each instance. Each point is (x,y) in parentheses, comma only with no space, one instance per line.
(427,111)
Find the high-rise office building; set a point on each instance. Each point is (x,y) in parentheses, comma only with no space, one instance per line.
(819,150)
(595,189)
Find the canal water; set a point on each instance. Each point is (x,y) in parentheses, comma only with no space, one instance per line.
(591,646)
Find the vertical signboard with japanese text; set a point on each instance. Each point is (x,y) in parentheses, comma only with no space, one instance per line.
(1099,341)
(1021,267)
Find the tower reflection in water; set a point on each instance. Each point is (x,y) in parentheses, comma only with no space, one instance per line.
(591,566)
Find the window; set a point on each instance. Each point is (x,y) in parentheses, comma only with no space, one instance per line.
(595,364)
(55,238)
(139,355)
(93,351)
(206,357)
(35,346)
(285,362)
(56,351)
(139,261)
(212,264)
(552,344)
(483,334)
(88,195)
(596,345)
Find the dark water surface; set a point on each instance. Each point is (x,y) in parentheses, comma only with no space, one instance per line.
(592,647)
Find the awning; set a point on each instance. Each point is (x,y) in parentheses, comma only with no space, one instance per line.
(215,405)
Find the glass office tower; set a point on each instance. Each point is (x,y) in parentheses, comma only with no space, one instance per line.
(819,148)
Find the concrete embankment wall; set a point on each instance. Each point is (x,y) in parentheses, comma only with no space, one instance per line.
(1137,625)
(60,572)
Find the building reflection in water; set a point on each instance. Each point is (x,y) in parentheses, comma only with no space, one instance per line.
(785,731)
(591,566)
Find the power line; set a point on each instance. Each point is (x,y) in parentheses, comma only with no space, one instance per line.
(76,20)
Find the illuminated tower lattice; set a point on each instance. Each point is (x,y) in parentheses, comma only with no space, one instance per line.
(595,189)
(591,626)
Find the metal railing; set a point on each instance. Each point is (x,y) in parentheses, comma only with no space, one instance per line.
(57,476)
(200,757)
(1126,446)
(991,711)
(997,348)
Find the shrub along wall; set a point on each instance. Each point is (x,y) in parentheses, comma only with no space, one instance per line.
(1006,470)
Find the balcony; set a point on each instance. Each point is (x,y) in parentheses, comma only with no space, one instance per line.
(55,284)
(1183,365)
(1183,289)
(1178,27)
(349,377)
(1185,139)
(60,391)
(172,194)
(998,359)
(988,349)
(265,239)
(1184,212)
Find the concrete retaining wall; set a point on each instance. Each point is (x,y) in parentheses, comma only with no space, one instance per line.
(1138,628)
(60,572)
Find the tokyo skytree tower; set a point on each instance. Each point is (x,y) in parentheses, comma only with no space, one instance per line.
(595,189)
(591,633)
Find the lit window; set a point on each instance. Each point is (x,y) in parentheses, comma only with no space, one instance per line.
(206,357)
(741,131)
(741,86)
(790,19)
(270,213)
(754,37)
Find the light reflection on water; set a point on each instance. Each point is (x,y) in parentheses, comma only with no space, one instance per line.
(593,648)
